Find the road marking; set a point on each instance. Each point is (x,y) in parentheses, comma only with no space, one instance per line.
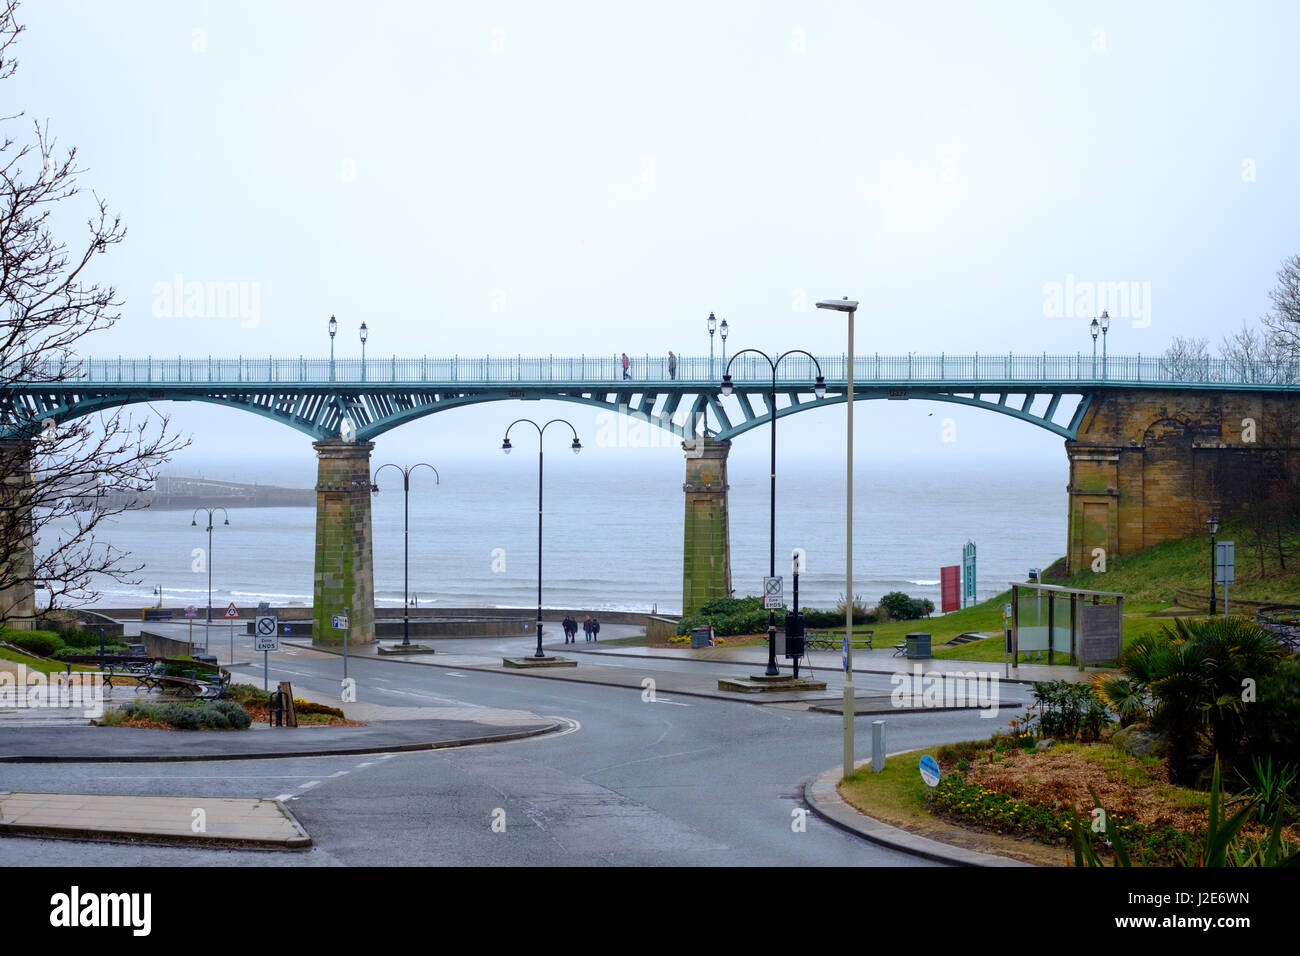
(675,703)
(286,796)
(308,786)
(340,773)
(367,763)
(454,674)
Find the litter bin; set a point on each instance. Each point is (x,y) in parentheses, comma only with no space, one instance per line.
(918,646)
(699,637)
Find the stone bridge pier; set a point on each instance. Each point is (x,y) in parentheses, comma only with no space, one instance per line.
(1151,465)
(706,550)
(17,588)
(344,557)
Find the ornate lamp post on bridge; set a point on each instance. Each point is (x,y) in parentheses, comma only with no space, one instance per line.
(722,331)
(819,389)
(1094,328)
(406,534)
(507,447)
(365,334)
(713,326)
(334,327)
(851,307)
(1105,327)
(207,559)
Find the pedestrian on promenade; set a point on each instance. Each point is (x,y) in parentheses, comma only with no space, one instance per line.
(586,627)
(626,364)
(595,629)
(672,364)
(570,630)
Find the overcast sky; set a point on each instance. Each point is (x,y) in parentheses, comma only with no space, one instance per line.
(598,177)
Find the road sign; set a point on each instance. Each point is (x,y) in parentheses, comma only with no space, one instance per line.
(232,611)
(930,771)
(340,622)
(265,637)
(264,608)
(191,611)
(772,593)
(1224,561)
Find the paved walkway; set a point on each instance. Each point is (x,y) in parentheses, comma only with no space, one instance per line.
(222,821)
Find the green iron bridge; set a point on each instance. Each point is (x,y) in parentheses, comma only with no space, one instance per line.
(1154,446)
(316,396)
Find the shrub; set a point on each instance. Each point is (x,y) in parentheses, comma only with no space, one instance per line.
(1273,720)
(40,643)
(309,707)
(1069,711)
(900,607)
(215,714)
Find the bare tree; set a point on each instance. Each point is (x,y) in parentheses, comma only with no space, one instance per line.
(52,473)
(1187,358)
(1284,321)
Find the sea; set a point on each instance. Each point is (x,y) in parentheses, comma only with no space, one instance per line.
(612,536)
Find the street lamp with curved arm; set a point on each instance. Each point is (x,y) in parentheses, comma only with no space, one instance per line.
(207,559)
(819,389)
(406,533)
(506,447)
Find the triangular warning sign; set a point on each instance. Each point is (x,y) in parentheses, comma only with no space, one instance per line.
(232,611)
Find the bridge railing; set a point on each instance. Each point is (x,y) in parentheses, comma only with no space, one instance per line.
(748,368)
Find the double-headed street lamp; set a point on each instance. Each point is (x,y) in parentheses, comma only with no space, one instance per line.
(1213,524)
(845,305)
(406,534)
(334,327)
(820,391)
(207,559)
(506,447)
(365,334)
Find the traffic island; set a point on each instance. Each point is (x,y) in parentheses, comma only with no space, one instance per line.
(398,649)
(764,683)
(204,821)
(538,662)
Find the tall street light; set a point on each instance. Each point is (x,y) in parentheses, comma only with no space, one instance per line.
(208,561)
(334,327)
(819,389)
(506,447)
(1105,327)
(1213,524)
(722,331)
(845,305)
(365,334)
(1094,328)
(406,534)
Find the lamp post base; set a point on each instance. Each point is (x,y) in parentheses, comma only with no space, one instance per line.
(538,662)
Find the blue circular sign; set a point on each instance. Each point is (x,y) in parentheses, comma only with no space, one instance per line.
(930,771)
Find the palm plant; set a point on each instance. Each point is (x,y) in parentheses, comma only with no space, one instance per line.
(1195,672)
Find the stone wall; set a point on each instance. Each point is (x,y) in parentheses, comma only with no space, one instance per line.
(1151,465)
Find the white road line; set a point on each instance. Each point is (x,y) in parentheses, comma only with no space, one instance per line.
(675,703)
(367,763)
(340,773)
(308,786)
(285,796)
(454,674)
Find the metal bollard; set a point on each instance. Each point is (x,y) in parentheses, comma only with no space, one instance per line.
(877,746)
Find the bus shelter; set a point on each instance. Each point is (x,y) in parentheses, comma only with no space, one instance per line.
(1087,625)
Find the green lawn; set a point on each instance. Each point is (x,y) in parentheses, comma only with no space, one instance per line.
(38,663)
